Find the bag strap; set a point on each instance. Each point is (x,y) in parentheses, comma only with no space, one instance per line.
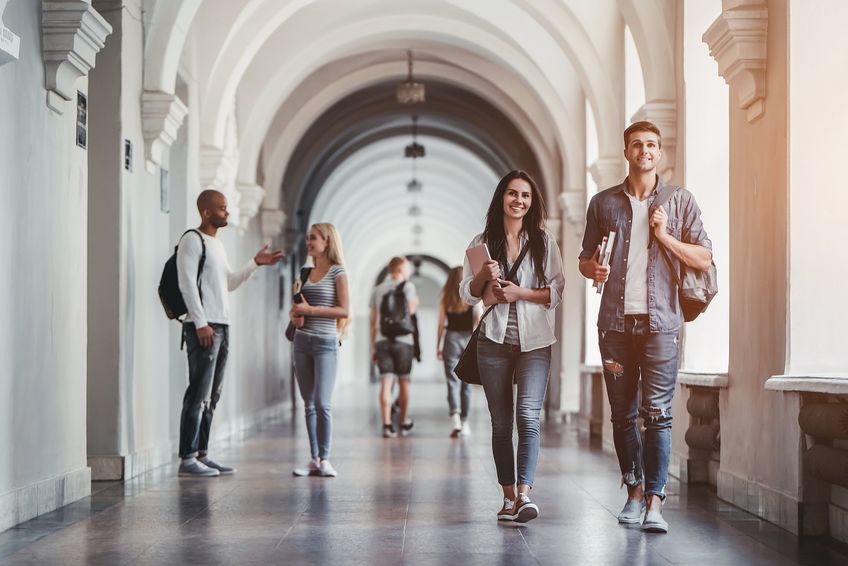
(200,265)
(670,265)
(202,261)
(663,197)
(509,276)
(304,276)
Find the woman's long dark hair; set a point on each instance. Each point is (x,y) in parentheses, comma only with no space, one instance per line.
(533,224)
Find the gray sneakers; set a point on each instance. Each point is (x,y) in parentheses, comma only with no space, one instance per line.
(194,468)
(654,522)
(222,470)
(632,512)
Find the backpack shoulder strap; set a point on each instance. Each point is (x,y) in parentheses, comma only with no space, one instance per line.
(202,261)
(663,196)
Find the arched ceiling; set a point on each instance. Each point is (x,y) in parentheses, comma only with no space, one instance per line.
(286,65)
(373,114)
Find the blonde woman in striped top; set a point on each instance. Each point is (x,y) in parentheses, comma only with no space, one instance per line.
(320,320)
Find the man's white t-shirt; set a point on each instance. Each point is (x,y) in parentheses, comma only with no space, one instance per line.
(636,284)
(217,279)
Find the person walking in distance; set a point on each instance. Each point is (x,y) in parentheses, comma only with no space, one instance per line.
(457,319)
(640,315)
(393,302)
(320,320)
(514,344)
(206,328)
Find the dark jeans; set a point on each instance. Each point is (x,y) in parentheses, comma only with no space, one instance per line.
(205,381)
(315,360)
(499,364)
(459,392)
(638,361)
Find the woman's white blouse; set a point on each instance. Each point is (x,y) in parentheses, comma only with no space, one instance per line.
(535,321)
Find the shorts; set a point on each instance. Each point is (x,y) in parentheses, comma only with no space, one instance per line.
(394,357)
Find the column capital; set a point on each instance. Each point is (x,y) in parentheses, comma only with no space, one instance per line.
(737,41)
(73,33)
(162,115)
(608,171)
(662,113)
(10,44)
(215,166)
(249,201)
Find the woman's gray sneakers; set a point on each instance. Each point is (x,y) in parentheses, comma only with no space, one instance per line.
(632,512)
(527,510)
(193,468)
(654,522)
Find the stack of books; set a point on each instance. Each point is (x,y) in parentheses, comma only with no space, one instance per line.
(604,257)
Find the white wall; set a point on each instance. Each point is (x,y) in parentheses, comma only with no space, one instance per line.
(818,144)
(43,177)
(707,171)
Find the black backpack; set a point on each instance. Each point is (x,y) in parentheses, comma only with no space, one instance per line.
(395,319)
(169,283)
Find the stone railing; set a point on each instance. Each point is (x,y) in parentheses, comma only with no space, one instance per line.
(823,418)
(697,460)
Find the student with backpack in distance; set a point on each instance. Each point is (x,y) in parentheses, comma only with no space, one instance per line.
(393,303)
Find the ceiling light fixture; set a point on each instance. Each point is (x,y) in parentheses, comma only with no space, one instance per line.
(410,91)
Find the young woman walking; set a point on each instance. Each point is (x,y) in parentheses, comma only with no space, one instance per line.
(456,322)
(515,339)
(320,320)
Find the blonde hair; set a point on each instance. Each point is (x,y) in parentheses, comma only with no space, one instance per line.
(450,299)
(335,256)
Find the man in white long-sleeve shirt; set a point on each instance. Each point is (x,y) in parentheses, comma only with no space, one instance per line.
(206,327)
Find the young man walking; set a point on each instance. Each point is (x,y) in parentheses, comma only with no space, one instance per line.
(393,303)
(206,328)
(640,316)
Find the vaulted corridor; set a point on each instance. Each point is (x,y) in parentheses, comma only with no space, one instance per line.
(392,121)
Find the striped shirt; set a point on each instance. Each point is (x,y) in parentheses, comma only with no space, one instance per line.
(322,294)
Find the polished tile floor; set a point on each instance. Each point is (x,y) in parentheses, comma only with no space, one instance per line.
(425,499)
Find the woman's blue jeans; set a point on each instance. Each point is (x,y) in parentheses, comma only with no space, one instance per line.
(315,359)
(499,364)
(459,392)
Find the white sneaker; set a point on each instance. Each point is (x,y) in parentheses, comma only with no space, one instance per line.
(456,424)
(466,430)
(327,470)
(311,469)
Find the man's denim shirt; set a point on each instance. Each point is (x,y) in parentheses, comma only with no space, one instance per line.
(609,211)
